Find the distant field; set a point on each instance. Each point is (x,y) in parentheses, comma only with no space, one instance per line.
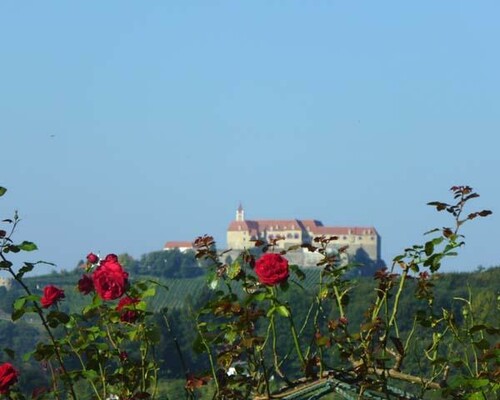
(180,290)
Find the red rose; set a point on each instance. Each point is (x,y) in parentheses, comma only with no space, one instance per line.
(110,280)
(126,309)
(271,269)
(8,376)
(92,258)
(51,295)
(85,284)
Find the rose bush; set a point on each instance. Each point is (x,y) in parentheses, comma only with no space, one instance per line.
(272,269)
(110,280)
(126,308)
(85,284)
(51,295)
(8,377)
(94,353)
(92,258)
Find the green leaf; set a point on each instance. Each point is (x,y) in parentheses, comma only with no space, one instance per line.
(476,328)
(398,258)
(150,292)
(2,191)
(231,336)
(477,383)
(298,272)
(153,335)
(11,248)
(482,344)
(19,303)
(27,246)
(259,296)
(16,314)
(429,248)
(59,316)
(234,270)
(28,267)
(476,396)
(283,311)
(198,345)
(270,311)
(43,351)
(212,280)
(11,353)
(437,240)
(27,356)
(90,374)
(5,264)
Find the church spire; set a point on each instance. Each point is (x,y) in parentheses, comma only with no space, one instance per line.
(240,213)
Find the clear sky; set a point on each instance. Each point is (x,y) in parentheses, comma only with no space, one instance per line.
(124,124)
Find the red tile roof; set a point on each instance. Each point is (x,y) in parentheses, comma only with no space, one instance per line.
(174,244)
(345,230)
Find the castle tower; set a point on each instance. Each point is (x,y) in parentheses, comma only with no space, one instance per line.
(240,213)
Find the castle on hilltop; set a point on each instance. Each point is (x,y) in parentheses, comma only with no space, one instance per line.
(362,242)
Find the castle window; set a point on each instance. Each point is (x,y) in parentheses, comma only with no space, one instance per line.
(359,238)
(296,236)
(289,236)
(372,238)
(344,237)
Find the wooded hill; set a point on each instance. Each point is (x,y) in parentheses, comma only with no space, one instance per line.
(187,289)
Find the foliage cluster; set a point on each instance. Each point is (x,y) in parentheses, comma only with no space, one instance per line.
(256,335)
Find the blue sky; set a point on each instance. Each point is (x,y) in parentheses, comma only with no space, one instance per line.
(125,124)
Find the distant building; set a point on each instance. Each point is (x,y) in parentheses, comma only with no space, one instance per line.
(362,241)
(6,282)
(181,246)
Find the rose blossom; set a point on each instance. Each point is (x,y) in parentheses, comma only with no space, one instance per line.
(271,269)
(8,376)
(51,295)
(92,258)
(110,280)
(85,284)
(125,308)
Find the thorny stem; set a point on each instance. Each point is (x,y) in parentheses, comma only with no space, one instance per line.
(176,343)
(276,360)
(37,309)
(144,352)
(84,368)
(54,382)
(296,341)
(264,371)
(47,329)
(396,300)
(293,331)
(210,358)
